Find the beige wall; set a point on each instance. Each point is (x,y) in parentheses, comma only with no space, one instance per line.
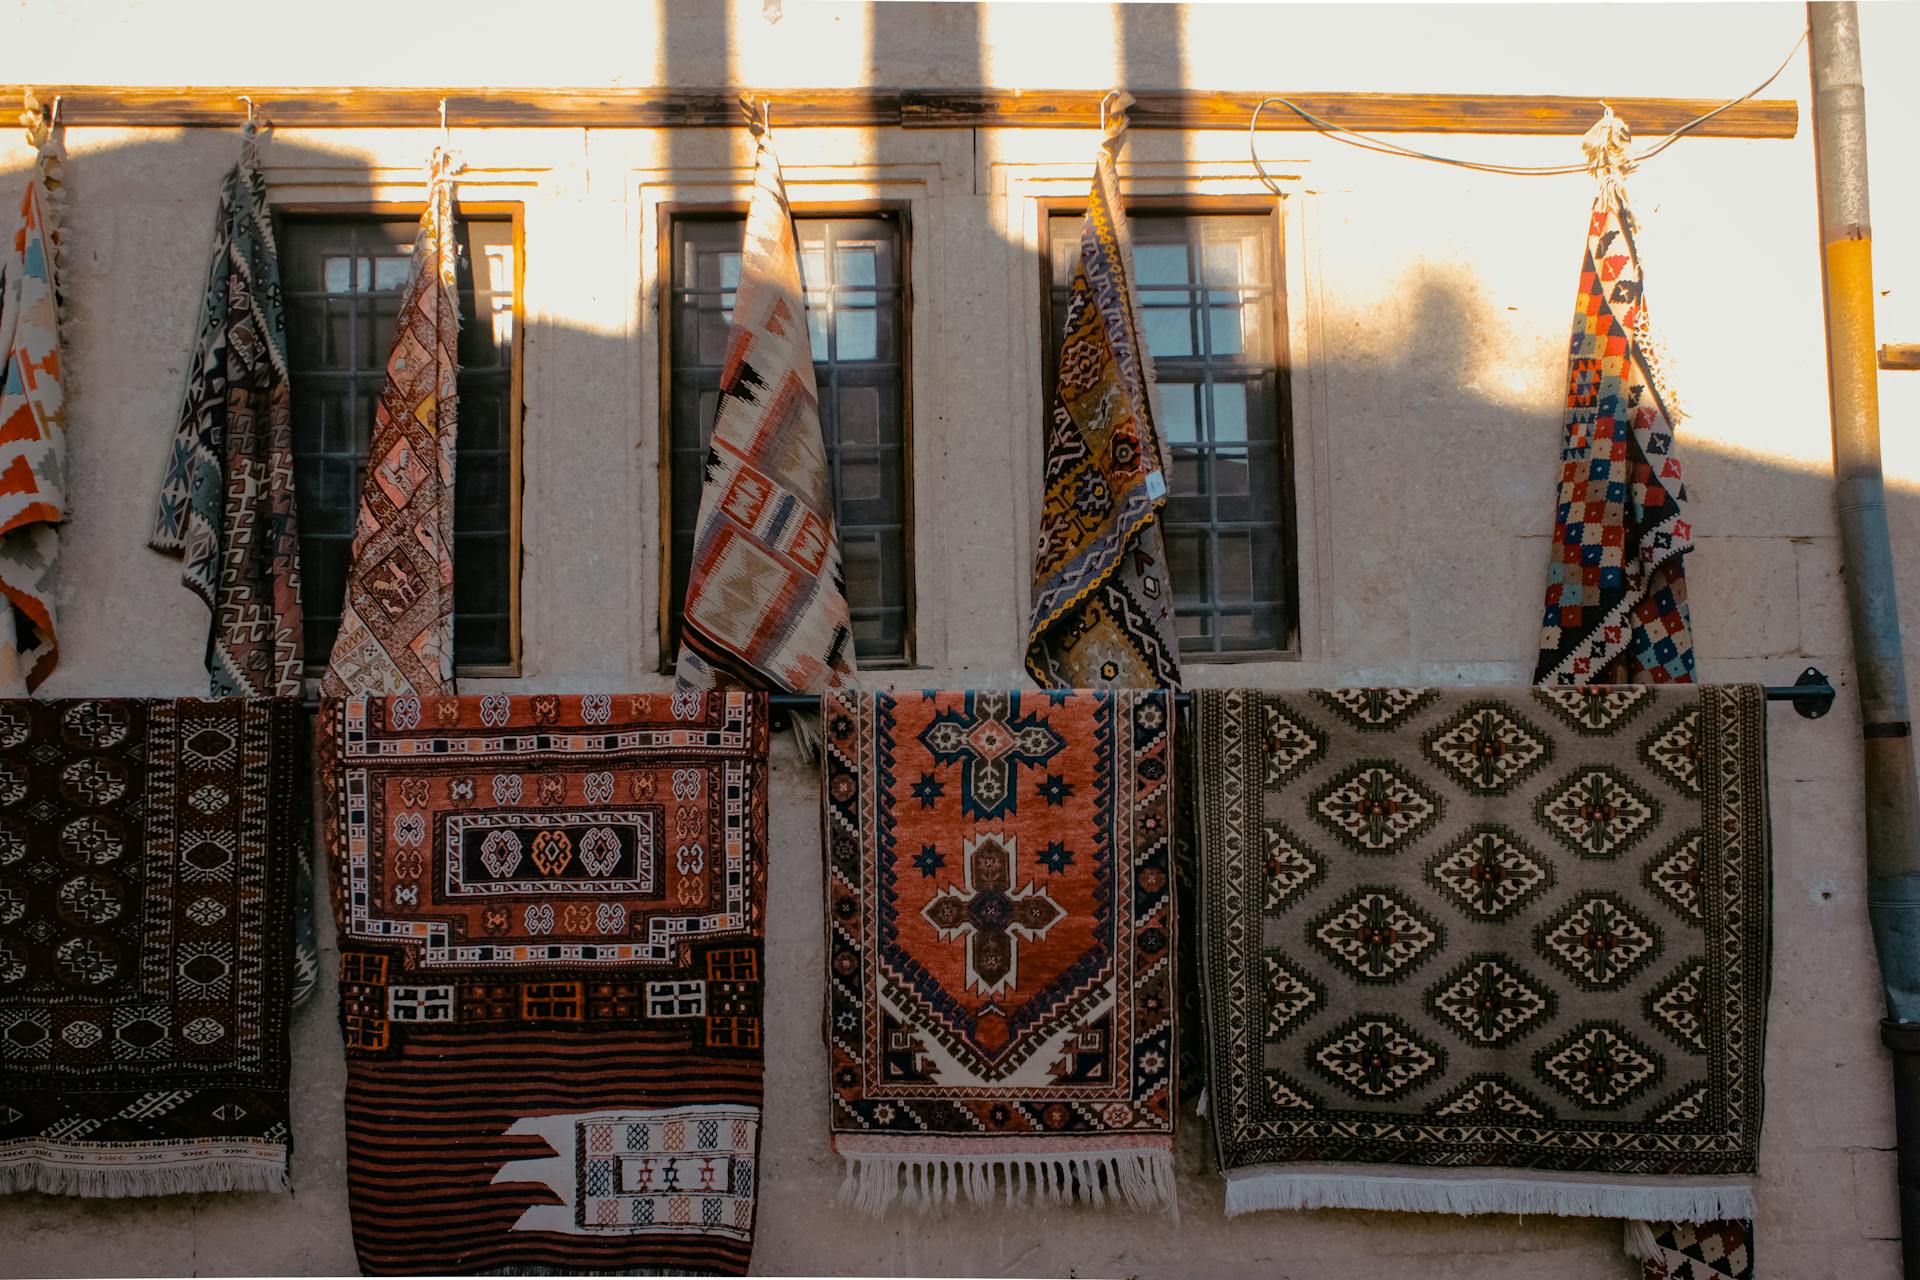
(1428,310)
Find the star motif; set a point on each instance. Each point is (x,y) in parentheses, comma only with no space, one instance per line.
(929,860)
(1054,790)
(1055,857)
(928,790)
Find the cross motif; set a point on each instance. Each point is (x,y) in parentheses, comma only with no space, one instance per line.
(990,915)
(990,740)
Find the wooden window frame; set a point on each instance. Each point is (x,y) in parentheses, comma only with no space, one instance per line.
(1274,209)
(670,212)
(513,212)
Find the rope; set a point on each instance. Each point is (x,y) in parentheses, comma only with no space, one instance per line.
(1614,159)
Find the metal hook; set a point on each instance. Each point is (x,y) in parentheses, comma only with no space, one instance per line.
(252,124)
(53,114)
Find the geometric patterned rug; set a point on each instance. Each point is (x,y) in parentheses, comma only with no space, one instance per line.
(147,855)
(1719,1250)
(1486,950)
(1001,945)
(551,911)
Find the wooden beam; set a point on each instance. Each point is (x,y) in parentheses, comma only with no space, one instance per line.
(957,109)
(1900,355)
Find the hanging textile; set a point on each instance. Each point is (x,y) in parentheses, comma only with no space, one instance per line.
(1616,578)
(1717,1250)
(396,627)
(1000,959)
(1102,600)
(766,602)
(551,912)
(227,503)
(147,856)
(33,423)
(1486,951)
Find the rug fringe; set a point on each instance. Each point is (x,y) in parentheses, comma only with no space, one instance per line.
(115,1183)
(1639,1242)
(1141,1179)
(1250,1191)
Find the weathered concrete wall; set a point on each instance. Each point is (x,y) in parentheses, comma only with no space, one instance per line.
(1428,311)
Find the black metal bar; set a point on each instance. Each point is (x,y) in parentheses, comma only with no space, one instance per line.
(1812,697)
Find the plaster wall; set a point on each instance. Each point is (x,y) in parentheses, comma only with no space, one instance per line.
(1427,308)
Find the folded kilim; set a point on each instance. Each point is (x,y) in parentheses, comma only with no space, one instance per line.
(146,892)
(766,603)
(1000,945)
(551,911)
(33,426)
(1486,951)
(1102,601)
(396,624)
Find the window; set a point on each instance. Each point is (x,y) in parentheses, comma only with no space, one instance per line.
(1212,309)
(342,275)
(854,272)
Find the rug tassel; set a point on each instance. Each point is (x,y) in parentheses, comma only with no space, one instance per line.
(1639,1242)
(1141,1180)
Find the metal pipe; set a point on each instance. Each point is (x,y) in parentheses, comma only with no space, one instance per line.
(1893,854)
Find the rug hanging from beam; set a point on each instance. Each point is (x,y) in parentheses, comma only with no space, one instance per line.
(551,912)
(147,854)
(766,604)
(1486,951)
(1102,598)
(1001,946)
(33,425)
(396,626)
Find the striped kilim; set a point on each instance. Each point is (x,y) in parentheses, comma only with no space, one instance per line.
(1102,598)
(550,914)
(33,428)
(1486,951)
(1001,945)
(227,502)
(766,603)
(396,626)
(147,853)
(1616,578)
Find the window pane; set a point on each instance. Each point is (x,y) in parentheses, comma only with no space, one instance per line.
(1208,307)
(851,271)
(342,277)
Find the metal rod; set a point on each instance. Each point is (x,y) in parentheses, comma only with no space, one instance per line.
(1893,855)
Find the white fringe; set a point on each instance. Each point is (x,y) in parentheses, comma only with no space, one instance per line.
(181,1179)
(1639,1242)
(1142,1179)
(1471,1192)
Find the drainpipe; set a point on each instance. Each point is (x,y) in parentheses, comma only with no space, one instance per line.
(1893,856)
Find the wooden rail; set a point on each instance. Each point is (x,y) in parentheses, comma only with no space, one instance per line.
(910,108)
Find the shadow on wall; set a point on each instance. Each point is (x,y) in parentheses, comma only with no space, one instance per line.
(1432,503)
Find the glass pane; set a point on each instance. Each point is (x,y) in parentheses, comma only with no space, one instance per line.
(1223,331)
(859,417)
(1160,263)
(1229,412)
(855,267)
(1169,328)
(858,334)
(1179,421)
(390,273)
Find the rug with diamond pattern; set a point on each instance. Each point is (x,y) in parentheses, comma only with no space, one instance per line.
(147,855)
(1488,930)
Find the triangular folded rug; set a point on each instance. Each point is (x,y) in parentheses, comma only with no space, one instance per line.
(1494,951)
(766,604)
(396,626)
(1102,599)
(146,890)
(551,912)
(33,428)
(1616,574)
(1000,955)
(226,508)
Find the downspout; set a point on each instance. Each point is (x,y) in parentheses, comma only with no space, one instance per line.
(1893,856)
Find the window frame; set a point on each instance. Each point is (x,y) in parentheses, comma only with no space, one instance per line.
(513,212)
(1274,209)
(669,213)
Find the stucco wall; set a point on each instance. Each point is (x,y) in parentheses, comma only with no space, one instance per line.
(1428,312)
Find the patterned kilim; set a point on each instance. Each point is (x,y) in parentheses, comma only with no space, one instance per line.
(1102,601)
(1720,1250)
(550,916)
(226,504)
(1616,578)
(396,627)
(1001,945)
(146,882)
(1512,943)
(33,430)
(766,600)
